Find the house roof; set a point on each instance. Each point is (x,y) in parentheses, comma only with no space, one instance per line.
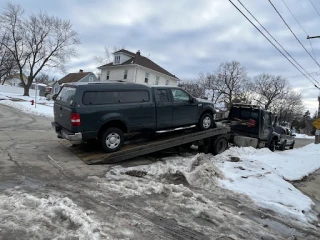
(73,77)
(137,58)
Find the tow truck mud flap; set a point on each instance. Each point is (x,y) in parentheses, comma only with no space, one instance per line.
(93,154)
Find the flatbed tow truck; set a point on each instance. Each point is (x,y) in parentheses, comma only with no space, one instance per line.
(246,125)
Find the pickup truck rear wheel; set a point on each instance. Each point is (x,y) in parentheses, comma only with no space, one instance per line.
(205,121)
(112,139)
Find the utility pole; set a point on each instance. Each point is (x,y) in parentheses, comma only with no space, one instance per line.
(316,123)
(317,135)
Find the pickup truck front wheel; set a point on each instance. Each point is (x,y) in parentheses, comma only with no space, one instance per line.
(112,139)
(205,121)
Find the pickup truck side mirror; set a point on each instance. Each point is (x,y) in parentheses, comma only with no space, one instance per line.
(192,99)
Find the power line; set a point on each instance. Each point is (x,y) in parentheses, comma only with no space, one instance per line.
(302,75)
(276,41)
(301,28)
(315,8)
(293,33)
(273,43)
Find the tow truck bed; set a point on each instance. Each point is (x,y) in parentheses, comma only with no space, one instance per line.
(161,142)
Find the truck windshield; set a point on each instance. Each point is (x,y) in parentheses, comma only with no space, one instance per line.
(66,95)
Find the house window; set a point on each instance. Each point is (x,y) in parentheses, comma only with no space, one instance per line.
(90,79)
(125,74)
(117,59)
(167,81)
(108,75)
(146,78)
(157,80)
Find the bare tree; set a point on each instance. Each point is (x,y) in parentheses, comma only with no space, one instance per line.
(269,89)
(193,87)
(36,41)
(289,107)
(7,62)
(232,82)
(42,78)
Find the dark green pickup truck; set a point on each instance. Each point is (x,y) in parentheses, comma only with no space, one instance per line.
(106,111)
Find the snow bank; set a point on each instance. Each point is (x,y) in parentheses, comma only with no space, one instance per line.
(52,217)
(260,174)
(300,135)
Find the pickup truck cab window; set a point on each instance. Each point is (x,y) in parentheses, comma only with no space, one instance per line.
(162,95)
(179,95)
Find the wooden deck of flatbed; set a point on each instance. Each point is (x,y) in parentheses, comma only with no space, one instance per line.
(95,155)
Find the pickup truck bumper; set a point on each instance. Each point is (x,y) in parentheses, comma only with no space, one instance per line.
(62,133)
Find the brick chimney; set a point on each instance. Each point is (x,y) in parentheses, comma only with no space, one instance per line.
(80,71)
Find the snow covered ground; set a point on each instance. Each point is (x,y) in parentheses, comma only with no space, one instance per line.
(300,135)
(43,107)
(259,174)
(45,217)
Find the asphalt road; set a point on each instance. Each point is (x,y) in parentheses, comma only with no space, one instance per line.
(32,161)
(300,142)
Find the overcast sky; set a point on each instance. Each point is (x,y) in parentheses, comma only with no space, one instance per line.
(189,37)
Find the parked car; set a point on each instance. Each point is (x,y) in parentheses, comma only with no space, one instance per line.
(286,138)
(107,111)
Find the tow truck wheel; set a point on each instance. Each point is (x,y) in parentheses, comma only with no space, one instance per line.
(205,121)
(283,146)
(112,139)
(272,145)
(292,145)
(220,145)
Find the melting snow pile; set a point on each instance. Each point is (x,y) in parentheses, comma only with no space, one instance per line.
(40,110)
(31,217)
(259,174)
(300,135)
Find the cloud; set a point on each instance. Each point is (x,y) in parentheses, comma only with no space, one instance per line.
(188,37)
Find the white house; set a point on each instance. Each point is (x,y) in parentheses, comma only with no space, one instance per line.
(14,80)
(133,67)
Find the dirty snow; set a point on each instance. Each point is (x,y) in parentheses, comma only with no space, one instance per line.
(260,174)
(47,217)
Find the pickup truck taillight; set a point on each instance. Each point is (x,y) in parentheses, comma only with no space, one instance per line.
(75,119)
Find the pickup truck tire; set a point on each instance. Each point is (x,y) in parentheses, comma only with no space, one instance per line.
(292,145)
(205,121)
(219,145)
(112,139)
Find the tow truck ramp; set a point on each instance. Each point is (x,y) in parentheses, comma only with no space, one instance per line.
(95,155)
